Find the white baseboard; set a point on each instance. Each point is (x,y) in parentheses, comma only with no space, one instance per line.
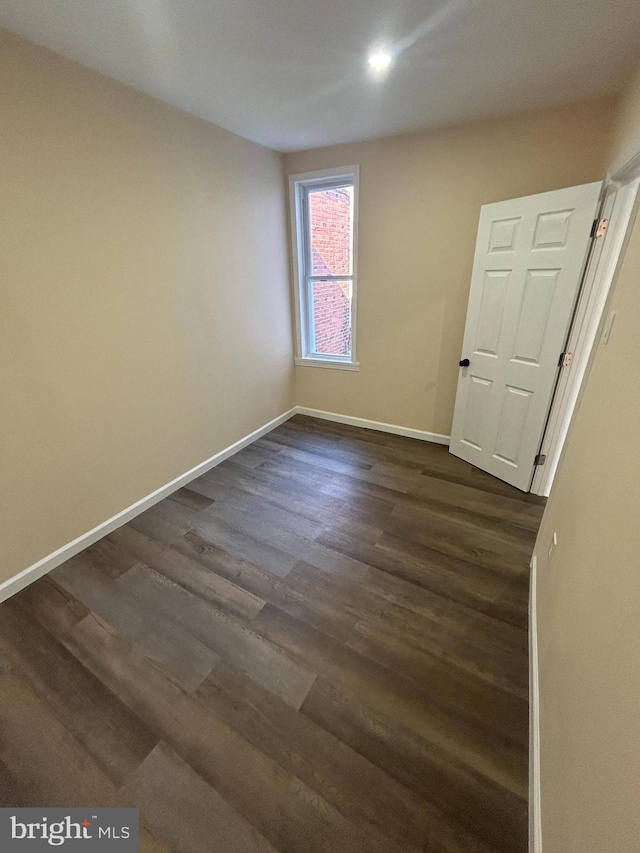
(420,434)
(46,564)
(535,822)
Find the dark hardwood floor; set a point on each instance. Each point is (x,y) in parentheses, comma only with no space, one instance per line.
(320,645)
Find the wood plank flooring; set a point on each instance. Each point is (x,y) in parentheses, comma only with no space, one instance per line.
(319,646)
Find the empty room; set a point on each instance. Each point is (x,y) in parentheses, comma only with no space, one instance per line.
(319,523)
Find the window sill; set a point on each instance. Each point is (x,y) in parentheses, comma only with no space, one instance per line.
(325,362)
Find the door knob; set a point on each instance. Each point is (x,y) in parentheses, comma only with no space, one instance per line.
(464,363)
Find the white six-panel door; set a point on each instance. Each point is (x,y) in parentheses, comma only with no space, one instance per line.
(529,258)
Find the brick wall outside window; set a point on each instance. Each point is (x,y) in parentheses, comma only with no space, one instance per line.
(330,225)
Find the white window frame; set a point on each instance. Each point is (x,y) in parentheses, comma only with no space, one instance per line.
(298,186)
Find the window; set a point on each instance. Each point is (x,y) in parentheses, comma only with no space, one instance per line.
(324,207)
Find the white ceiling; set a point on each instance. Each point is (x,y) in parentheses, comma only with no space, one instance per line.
(292,74)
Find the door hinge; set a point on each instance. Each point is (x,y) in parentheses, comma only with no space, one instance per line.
(540,459)
(599,227)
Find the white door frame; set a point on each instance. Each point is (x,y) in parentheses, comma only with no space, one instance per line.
(602,268)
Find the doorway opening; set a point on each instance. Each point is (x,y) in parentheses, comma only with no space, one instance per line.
(590,323)
(537,309)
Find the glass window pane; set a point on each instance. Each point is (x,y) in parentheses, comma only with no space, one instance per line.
(331,317)
(330,231)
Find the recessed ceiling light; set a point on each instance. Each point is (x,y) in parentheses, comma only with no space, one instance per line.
(379,60)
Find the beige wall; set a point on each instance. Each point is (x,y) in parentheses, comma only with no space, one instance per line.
(420,198)
(144,298)
(627,128)
(589,595)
